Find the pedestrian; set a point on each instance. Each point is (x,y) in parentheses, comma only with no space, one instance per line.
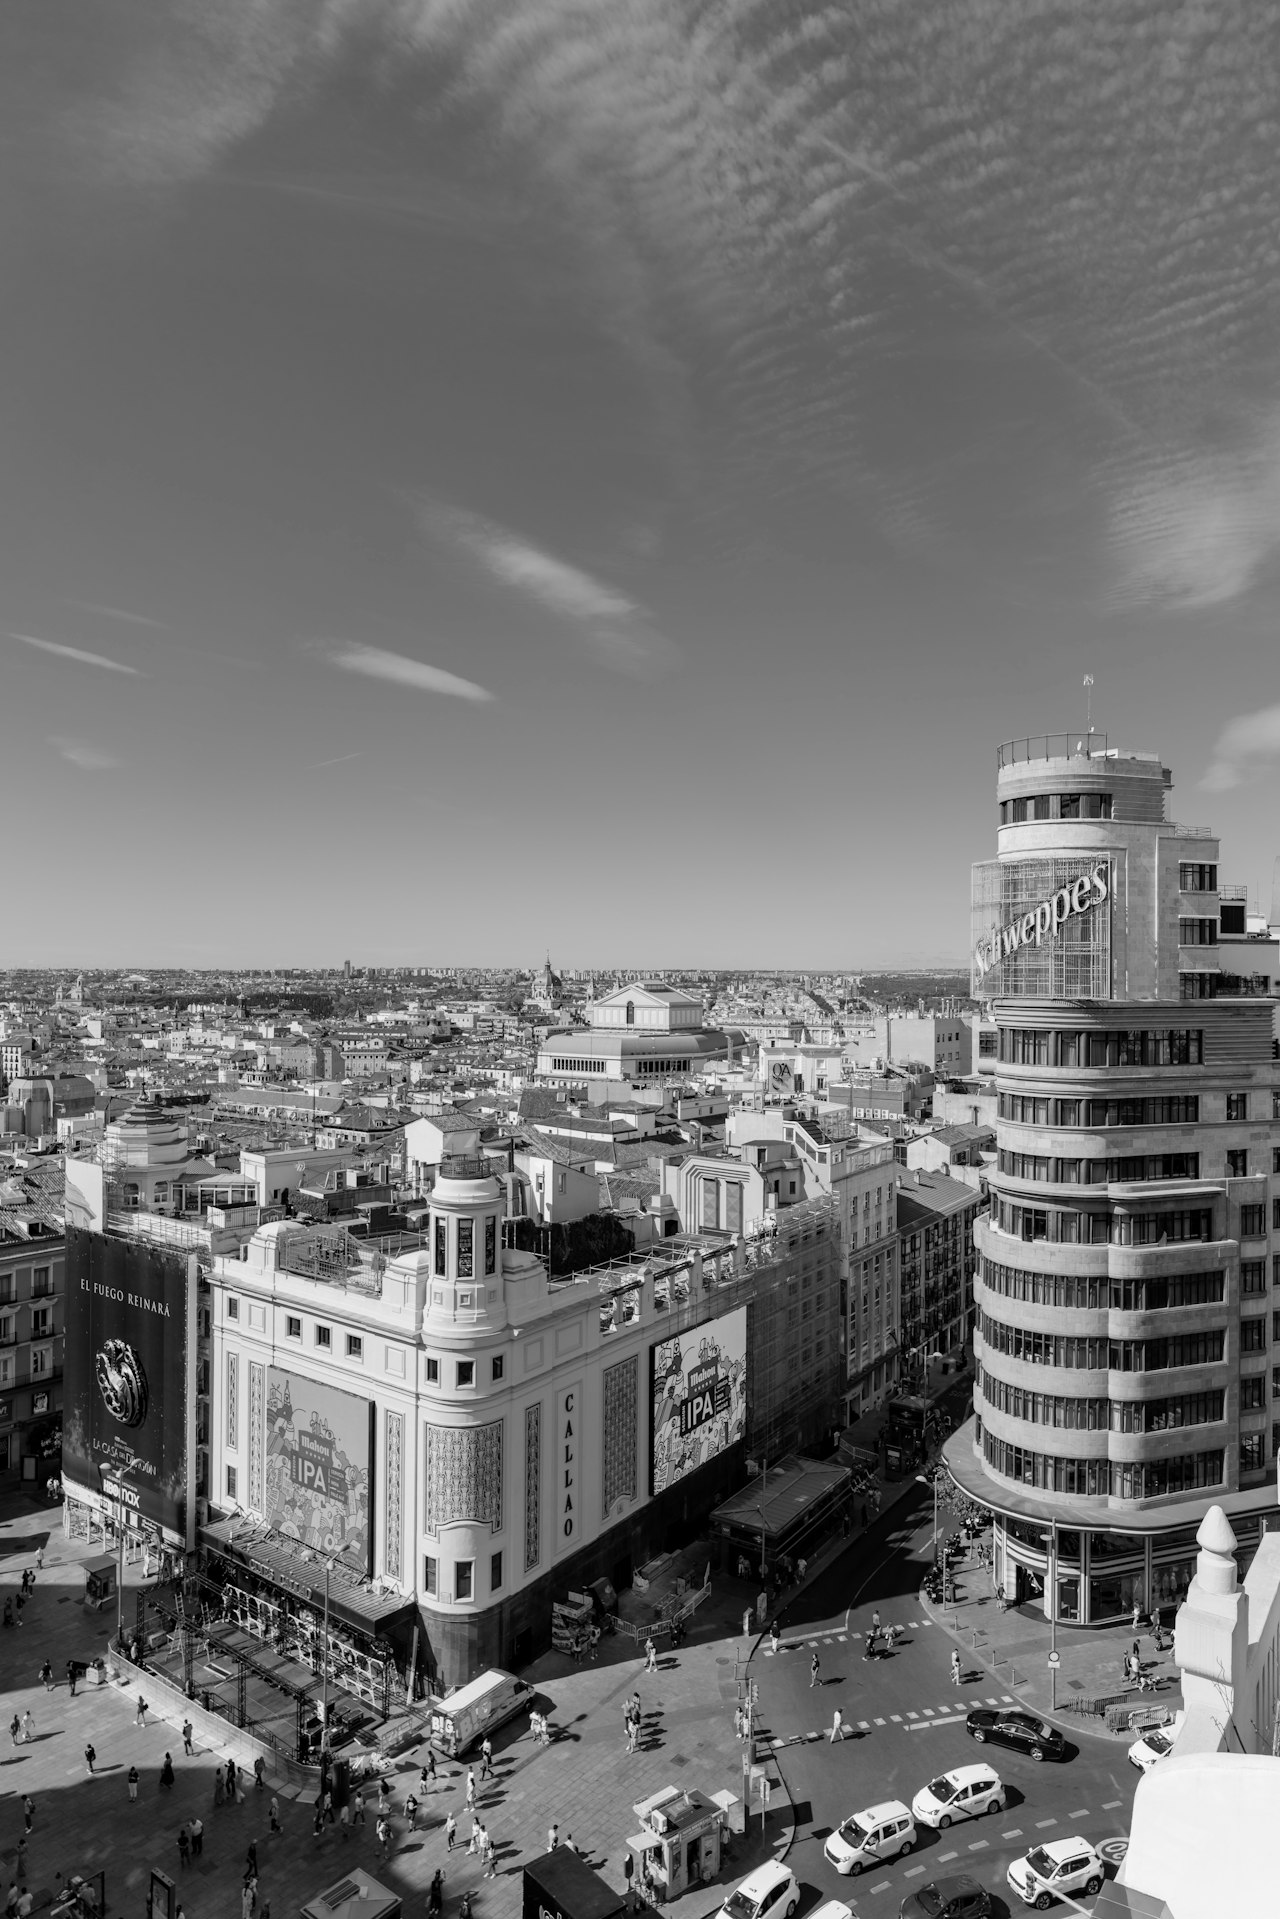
(15,1730)
(40,1559)
(259,1772)
(1137,1615)
(471,1789)
(184,1848)
(186,1739)
(357,1808)
(251,1887)
(450,1832)
(553,1836)
(46,1674)
(429,1770)
(477,1835)
(1137,1656)
(955,1667)
(195,1826)
(219,1786)
(490,1858)
(166,1773)
(11,1901)
(814,1668)
(837,1727)
(595,1640)
(774,1640)
(317,1823)
(486,1758)
(133,1785)
(274,1810)
(326,1801)
(628,1873)
(875,1624)
(251,1860)
(246,1901)
(71,1677)
(746,1622)
(140,1717)
(20,1863)
(344,1819)
(650,1656)
(383,1830)
(28,1812)
(804,1566)
(25,1903)
(89,1756)
(435,1894)
(410,1812)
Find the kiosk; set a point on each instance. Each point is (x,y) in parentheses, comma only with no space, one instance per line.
(357,1895)
(559,1885)
(678,1844)
(99,1580)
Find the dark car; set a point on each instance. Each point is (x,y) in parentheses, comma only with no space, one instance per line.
(1021,1730)
(958,1898)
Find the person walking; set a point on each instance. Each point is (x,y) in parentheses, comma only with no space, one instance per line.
(1137,1615)
(133,1785)
(219,1787)
(384,1837)
(251,1887)
(187,1748)
(814,1669)
(28,1812)
(650,1656)
(344,1820)
(553,1836)
(471,1789)
(490,1858)
(274,1810)
(184,1848)
(246,1901)
(411,1812)
(251,1860)
(195,1826)
(435,1894)
(20,1862)
(774,1640)
(15,1730)
(837,1727)
(357,1808)
(875,1625)
(40,1559)
(955,1667)
(450,1832)
(89,1756)
(46,1675)
(486,1758)
(166,1773)
(428,1774)
(233,1781)
(140,1717)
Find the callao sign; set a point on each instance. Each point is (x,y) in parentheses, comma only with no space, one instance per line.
(1043,921)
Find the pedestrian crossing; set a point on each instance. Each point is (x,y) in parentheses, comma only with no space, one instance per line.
(919,1721)
(837,1638)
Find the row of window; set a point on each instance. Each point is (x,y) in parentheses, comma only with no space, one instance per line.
(322,1337)
(1101,1415)
(1056,806)
(41,1325)
(1121,1479)
(1216,985)
(1129,1046)
(1100,1229)
(1196,876)
(1152,1294)
(1180,1109)
(1197,932)
(1051,1170)
(466,1238)
(464,1577)
(1114,1355)
(41,1285)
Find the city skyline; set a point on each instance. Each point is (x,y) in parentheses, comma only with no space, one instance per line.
(452,456)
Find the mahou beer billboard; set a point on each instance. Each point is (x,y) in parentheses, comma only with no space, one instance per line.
(128,1382)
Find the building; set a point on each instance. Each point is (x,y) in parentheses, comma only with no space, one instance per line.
(936,1214)
(502,1438)
(640,1033)
(1124,1322)
(32,1304)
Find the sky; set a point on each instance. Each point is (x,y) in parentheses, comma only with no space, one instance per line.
(482,477)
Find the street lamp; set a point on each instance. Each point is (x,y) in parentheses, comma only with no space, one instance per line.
(1051,1589)
(931,1479)
(764,1475)
(329,1564)
(118,1484)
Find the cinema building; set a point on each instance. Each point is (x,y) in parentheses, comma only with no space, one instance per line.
(449,1431)
(1125,1289)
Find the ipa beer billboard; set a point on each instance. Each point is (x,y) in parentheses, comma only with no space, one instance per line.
(129,1386)
(319,1459)
(699,1386)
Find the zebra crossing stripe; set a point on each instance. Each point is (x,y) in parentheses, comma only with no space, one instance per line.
(895,1719)
(879,1722)
(864,1725)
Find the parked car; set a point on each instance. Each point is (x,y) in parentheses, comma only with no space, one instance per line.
(770,1892)
(958,1898)
(965,1793)
(869,1838)
(1021,1730)
(1155,1743)
(1046,1872)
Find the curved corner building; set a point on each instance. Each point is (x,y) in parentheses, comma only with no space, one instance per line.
(1122,1309)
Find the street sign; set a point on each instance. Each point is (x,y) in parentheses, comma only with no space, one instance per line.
(1055,1658)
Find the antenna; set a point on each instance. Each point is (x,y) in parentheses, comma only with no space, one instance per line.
(1088,693)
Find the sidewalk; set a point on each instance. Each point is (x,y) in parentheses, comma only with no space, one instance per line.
(1014,1647)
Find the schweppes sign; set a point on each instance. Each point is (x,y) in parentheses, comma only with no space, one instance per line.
(1044,920)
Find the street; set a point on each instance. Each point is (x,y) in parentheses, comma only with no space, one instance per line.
(905,1719)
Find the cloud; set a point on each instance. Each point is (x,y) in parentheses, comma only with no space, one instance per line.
(1244,744)
(119,613)
(1199,528)
(375,664)
(89,758)
(76,653)
(315,766)
(618,631)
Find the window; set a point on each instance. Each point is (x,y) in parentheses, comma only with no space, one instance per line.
(41,1361)
(466,1372)
(355,1346)
(1253,1335)
(1251,1454)
(433,1372)
(1253,1394)
(497,1367)
(292,1327)
(441,1246)
(324,1337)
(464,1579)
(1275,1159)
(40,1322)
(1198,933)
(40,1282)
(1194,877)
(1253,1275)
(466,1233)
(495,1572)
(1253,1221)
(431,1574)
(491,1244)
(6,1330)
(1237,1162)
(233,1306)
(231,1482)
(1237,1106)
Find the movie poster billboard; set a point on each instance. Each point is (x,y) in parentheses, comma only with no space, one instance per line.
(128,1377)
(699,1386)
(319,1465)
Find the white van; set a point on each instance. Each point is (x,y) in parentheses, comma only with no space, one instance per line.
(462,1720)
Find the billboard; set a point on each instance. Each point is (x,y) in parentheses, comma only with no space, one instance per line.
(699,1387)
(1041,928)
(128,1376)
(319,1463)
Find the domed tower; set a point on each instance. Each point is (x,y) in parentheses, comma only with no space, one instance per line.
(466,1247)
(145,1151)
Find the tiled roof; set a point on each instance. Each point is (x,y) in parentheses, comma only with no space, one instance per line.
(33,1193)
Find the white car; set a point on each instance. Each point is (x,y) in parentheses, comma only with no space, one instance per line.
(966,1793)
(770,1892)
(1155,1743)
(1064,1865)
(869,1838)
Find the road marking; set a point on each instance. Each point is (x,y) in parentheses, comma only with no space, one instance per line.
(895,1718)
(979,1845)
(944,1719)
(878,1722)
(864,1725)
(1015,1834)
(1006,1699)
(914,1624)
(1042,1823)
(913,1715)
(944,1856)
(913,1872)
(993,1702)
(1109,1805)
(928,1712)
(881,1885)
(1081,1812)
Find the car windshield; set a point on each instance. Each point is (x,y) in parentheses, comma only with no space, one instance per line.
(855,1831)
(1045,1732)
(1158,1744)
(929,1899)
(740,1906)
(1040,1862)
(944,1789)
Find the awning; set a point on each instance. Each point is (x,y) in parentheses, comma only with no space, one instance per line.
(298,1570)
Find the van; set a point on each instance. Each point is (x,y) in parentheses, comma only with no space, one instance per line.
(462,1720)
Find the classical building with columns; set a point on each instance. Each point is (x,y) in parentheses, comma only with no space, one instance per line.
(457,1435)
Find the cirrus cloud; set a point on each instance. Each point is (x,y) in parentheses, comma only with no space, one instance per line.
(76,653)
(82,754)
(1244,746)
(375,663)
